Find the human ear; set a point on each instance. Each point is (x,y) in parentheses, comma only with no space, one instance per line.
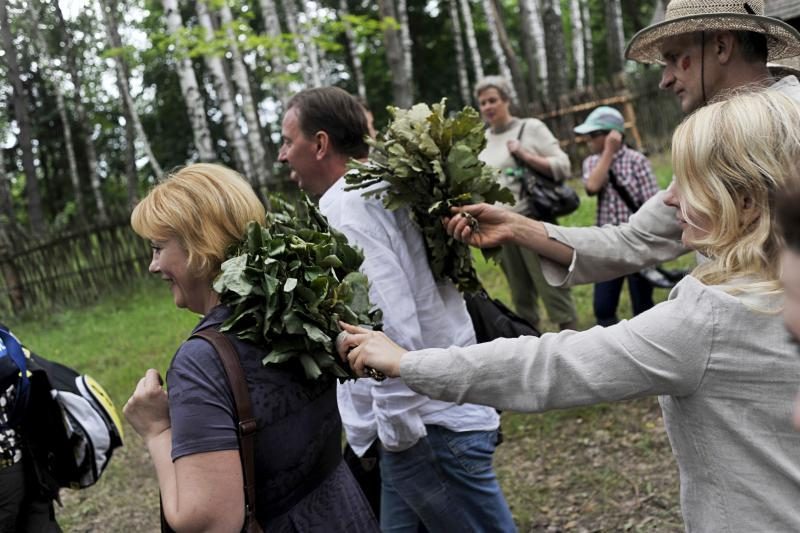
(323,143)
(723,46)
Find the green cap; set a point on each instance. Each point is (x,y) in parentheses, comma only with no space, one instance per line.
(603,118)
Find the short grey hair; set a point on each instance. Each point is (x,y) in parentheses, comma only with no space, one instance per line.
(494,82)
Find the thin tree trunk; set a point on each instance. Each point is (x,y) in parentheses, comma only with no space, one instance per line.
(401,82)
(224,96)
(405,37)
(241,79)
(588,46)
(20,102)
(130,164)
(577,43)
(615,36)
(556,49)
(55,86)
(538,33)
(189,87)
(472,42)
(306,50)
(461,61)
(272,26)
(497,48)
(6,202)
(352,46)
(517,78)
(528,48)
(110,21)
(80,110)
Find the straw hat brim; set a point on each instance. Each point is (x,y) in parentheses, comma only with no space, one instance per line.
(782,40)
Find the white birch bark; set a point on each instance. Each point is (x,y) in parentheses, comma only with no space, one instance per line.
(461,61)
(230,120)
(190,89)
(528,48)
(588,45)
(497,48)
(578,53)
(306,50)
(55,86)
(537,32)
(352,47)
(109,19)
(241,79)
(405,37)
(472,42)
(402,93)
(615,36)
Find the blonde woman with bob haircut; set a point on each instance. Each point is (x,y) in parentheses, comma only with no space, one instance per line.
(191,430)
(716,352)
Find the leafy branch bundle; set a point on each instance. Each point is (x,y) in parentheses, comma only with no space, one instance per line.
(289,283)
(428,163)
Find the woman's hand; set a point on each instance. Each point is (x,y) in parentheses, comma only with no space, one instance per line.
(513,146)
(362,347)
(147,409)
(481,225)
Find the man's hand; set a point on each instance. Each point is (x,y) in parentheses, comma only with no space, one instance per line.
(481,225)
(613,141)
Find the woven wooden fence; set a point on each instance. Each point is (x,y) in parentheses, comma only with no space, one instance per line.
(69,269)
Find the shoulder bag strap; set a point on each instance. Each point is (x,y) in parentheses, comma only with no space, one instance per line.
(622,191)
(244,409)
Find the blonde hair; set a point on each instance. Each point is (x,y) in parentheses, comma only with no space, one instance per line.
(205,206)
(730,158)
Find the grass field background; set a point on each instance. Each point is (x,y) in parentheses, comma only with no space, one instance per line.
(604,468)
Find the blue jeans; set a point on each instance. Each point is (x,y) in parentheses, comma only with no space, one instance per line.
(606,298)
(446,482)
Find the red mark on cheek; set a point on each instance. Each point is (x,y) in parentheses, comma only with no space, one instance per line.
(686,62)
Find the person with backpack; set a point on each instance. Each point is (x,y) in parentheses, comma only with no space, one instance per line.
(191,429)
(23,506)
(623,180)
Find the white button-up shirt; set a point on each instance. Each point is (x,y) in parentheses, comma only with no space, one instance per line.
(418,313)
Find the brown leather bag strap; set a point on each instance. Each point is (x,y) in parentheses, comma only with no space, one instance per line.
(246,423)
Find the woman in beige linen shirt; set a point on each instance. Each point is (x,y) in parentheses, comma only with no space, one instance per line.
(716,352)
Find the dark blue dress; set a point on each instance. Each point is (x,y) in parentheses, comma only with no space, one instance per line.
(301,482)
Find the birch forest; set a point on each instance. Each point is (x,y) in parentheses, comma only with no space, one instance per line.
(101,98)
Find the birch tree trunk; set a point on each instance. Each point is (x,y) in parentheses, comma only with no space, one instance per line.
(555,48)
(307,54)
(578,53)
(538,33)
(588,46)
(517,79)
(401,82)
(497,48)
(77,82)
(272,26)
(528,47)
(110,21)
(472,42)
(241,79)
(352,47)
(615,36)
(55,86)
(461,61)
(230,120)
(20,102)
(6,202)
(405,37)
(189,87)
(8,226)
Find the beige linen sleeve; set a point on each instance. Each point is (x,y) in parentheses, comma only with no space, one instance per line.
(652,235)
(663,351)
(539,139)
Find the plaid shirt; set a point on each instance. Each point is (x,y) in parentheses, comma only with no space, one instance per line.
(634,173)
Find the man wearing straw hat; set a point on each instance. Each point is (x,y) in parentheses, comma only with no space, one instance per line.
(707,48)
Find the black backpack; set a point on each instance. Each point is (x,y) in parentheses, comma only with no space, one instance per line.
(68,423)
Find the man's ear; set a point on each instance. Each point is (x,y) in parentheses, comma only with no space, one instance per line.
(724,43)
(322,142)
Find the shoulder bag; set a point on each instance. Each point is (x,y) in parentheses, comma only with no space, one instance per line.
(542,197)
(493,320)
(246,423)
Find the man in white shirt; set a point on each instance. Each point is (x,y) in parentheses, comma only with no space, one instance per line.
(435,457)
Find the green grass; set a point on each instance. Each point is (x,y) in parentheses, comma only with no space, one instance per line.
(598,468)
